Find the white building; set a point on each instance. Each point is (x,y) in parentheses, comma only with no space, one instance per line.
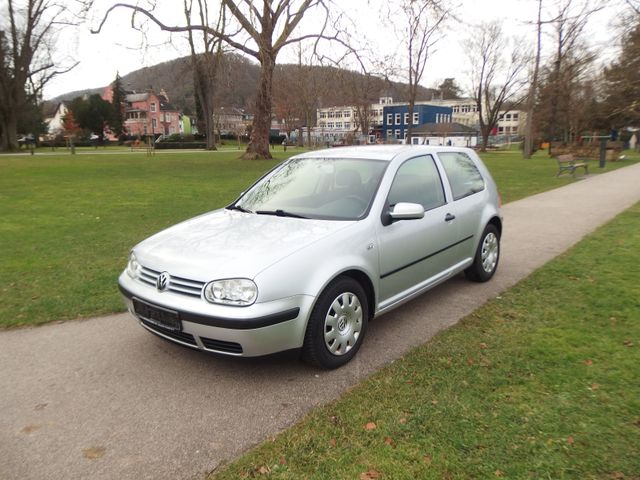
(336,123)
(55,125)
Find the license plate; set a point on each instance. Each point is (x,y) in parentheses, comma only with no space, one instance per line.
(163,317)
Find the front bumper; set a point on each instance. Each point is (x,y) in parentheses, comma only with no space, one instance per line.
(260,329)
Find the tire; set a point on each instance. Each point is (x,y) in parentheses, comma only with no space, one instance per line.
(485,262)
(337,324)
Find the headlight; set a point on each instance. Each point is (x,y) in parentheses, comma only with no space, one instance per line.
(133,267)
(234,291)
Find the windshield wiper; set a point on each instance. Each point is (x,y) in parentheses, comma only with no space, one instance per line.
(239,208)
(279,213)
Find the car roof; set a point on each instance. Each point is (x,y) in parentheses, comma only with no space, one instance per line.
(376,152)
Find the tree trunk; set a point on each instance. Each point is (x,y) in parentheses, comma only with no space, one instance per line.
(207,112)
(531,101)
(258,148)
(9,132)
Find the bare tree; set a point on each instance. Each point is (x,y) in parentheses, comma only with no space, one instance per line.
(569,25)
(497,64)
(27,40)
(622,83)
(422,22)
(269,26)
(205,64)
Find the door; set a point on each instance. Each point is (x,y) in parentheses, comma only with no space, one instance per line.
(415,253)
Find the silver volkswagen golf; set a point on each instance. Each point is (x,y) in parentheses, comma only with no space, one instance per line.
(315,249)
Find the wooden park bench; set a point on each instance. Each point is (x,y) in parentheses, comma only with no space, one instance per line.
(568,163)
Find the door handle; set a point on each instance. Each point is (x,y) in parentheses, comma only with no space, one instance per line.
(448,217)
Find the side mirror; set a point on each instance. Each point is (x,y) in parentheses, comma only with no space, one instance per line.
(407,211)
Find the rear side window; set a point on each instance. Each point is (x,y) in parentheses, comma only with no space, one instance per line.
(417,181)
(463,175)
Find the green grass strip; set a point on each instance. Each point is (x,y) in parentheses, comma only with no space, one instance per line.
(540,382)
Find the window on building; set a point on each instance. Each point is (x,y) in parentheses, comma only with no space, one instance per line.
(153,107)
(389,134)
(406,118)
(389,118)
(397,133)
(154,123)
(339,114)
(416,118)
(500,129)
(323,124)
(331,114)
(347,125)
(464,177)
(346,114)
(329,124)
(323,114)
(338,124)
(398,119)
(508,117)
(515,116)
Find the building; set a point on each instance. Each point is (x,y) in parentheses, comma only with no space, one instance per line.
(334,124)
(388,121)
(445,133)
(230,121)
(150,114)
(396,118)
(55,124)
(511,123)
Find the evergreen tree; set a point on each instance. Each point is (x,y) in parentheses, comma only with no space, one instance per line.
(116,122)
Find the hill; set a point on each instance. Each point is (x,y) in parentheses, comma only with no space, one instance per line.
(238,78)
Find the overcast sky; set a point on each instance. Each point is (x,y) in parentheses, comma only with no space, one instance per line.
(119,48)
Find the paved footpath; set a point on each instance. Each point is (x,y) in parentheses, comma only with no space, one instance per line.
(104,399)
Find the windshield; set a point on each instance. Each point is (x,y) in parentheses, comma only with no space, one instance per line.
(325,188)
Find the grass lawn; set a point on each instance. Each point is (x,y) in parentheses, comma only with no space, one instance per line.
(68,222)
(542,382)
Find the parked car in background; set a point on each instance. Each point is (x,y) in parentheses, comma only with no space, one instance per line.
(315,249)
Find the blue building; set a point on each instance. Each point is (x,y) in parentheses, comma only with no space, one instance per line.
(396,118)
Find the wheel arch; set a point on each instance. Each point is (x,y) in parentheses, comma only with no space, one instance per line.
(496,222)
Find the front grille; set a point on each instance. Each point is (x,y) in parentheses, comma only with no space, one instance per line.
(221,345)
(179,336)
(182,286)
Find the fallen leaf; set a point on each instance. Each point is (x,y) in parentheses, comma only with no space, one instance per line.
(389,441)
(483,345)
(263,470)
(434,402)
(617,475)
(93,453)
(332,442)
(402,421)
(595,386)
(31,428)
(499,473)
(570,440)
(588,362)
(427,459)
(370,426)
(628,343)
(41,406)
(282,461)
(370,475)
(470,361)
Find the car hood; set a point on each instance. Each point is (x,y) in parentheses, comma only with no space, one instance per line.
(228,244)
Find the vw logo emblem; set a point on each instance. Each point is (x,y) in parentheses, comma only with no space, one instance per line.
(162,283)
